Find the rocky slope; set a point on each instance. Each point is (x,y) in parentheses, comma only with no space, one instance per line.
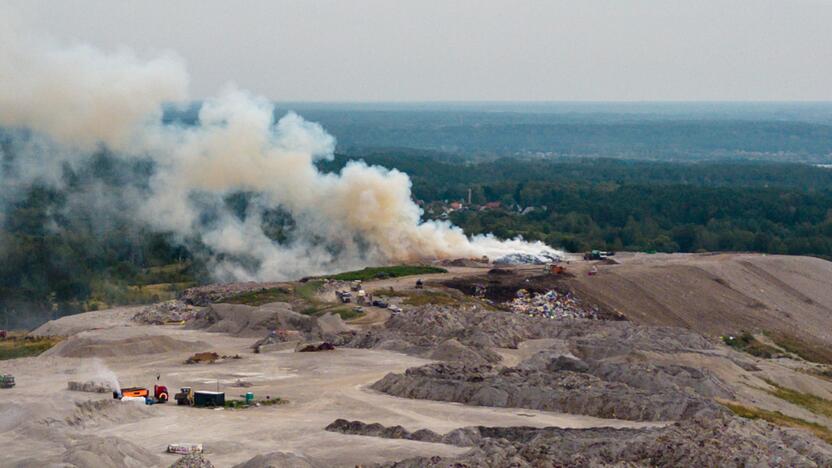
(701,441)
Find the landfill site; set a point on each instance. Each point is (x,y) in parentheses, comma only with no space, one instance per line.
(606,359)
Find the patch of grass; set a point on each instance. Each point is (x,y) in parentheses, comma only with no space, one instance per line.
(273,401)
(18,346)
(824,373)
(747,343)
(308,290)
(179,272)
(264,296)
(346,313)
(809,351)
(241,404)
(429,297)
(778,418)
(808,401)
(390,292)
(398,271)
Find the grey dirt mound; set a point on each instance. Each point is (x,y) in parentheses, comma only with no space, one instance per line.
(193,460)
(701,441)
(561,391)
(94,452)
(279,460)
(589,367)
(109,411)
(85,347)
(248,321)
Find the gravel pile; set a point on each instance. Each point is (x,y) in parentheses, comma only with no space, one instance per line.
(703,441)
(556,390)
(166,312)
(193,460)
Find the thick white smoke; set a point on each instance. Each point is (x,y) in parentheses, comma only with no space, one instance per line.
(80,97)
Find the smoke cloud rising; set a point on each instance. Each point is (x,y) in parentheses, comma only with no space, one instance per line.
(78,99)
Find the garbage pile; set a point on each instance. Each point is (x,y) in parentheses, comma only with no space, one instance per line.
(552,305)
(521,258)
(166,312)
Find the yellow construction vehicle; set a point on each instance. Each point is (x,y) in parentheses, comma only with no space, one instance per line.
(185,396)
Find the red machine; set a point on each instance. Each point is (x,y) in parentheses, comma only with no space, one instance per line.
(160,393)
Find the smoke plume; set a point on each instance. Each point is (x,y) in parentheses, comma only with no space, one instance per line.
(94,370)
(78,99)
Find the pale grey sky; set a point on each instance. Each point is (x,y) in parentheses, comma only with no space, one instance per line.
(429,50)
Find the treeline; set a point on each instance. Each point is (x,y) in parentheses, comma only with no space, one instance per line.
(438,176)
(662,218)
(681,132)
(79,247)
(580,204)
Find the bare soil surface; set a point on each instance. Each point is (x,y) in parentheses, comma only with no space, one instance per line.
(717,294)
(452,382)
(41,423)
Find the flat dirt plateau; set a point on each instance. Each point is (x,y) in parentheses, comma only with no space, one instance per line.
(457,377)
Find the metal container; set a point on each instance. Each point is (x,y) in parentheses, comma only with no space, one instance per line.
(209,398)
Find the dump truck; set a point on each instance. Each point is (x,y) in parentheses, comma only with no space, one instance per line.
(344,296)
(6,381)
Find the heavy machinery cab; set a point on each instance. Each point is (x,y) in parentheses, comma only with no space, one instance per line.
(160,393)
(185,396)
(6,381)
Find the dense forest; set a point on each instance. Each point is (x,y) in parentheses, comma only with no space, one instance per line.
(580,204)
(797,132)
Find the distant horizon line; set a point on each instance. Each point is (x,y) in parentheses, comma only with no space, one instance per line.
(543,102)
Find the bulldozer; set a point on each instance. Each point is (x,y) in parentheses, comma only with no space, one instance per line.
(185,396)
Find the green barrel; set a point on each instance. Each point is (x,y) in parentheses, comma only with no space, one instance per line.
(249,398)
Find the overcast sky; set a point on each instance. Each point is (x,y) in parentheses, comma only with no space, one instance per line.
(444,50)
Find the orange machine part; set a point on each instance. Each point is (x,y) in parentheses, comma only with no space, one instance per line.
(134,392)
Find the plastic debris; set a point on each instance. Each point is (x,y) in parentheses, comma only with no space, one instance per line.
(552,305)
